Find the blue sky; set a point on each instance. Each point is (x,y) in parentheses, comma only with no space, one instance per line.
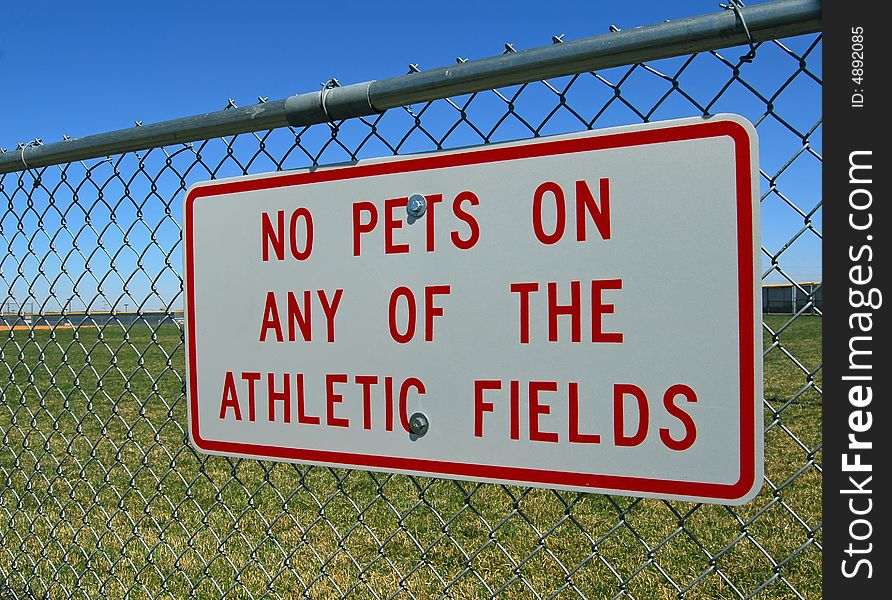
(89,67)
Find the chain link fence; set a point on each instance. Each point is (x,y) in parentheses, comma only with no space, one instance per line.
(101,495)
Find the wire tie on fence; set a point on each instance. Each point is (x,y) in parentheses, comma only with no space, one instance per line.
(736,6)
(35,142)
(323,93)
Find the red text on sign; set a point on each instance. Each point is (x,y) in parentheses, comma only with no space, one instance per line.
(391,217)
(285,398)
(549,199)
(295,310)
(403,296)
(631,421)
(563,303)
(299,235)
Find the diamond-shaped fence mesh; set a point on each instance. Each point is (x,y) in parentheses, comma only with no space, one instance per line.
(101,494)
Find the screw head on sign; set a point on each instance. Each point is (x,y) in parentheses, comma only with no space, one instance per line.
(418,424)
(417,205)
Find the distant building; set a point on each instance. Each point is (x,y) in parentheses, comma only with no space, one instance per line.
(788,298)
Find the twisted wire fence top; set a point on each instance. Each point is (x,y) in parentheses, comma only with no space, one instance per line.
(102,496)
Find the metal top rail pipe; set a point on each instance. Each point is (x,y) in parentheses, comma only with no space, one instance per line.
(782,18)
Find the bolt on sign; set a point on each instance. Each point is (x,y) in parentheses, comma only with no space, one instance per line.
(576,312)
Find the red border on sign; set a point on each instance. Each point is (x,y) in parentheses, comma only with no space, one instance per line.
(745,274)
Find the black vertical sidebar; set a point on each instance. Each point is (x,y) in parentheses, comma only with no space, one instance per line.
(856,265)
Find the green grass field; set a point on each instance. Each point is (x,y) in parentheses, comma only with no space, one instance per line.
(101,493)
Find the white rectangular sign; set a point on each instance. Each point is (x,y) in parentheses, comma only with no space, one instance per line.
(576,312)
